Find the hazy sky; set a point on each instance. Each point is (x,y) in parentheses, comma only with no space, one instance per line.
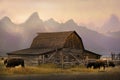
(82,11)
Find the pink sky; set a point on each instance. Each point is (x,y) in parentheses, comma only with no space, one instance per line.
(82,11)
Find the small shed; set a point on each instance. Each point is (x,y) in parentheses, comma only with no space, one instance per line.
(54,47)
(91,55)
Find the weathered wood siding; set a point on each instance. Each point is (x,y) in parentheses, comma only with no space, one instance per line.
(73,41)
(29,60)
(91,56)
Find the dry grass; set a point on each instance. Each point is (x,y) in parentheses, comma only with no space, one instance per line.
(44,69)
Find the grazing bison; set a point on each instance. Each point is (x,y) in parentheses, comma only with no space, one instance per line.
(111,64)
(14,62)
(96,64)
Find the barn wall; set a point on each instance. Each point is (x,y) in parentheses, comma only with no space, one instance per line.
(32,60)
(65,55)
(29,60)
(92,56)
(73,41)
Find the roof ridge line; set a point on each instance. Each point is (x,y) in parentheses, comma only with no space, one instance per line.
(56,32)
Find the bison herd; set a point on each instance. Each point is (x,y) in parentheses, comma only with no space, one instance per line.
(14,62)
(99,64)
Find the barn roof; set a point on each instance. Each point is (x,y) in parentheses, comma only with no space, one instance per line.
(31,51)
(46,42)
(51,40)
(92,53)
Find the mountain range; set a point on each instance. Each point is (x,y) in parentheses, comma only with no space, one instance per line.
(111,25)
(19,36)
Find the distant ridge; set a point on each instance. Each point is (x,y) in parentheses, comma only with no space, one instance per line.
(14,37)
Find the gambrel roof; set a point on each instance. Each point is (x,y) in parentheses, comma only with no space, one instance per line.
(30,51)
(53,40)
(49,42)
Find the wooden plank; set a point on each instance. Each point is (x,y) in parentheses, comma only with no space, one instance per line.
(51,56)
(62,59)
(75,57)
(43,59)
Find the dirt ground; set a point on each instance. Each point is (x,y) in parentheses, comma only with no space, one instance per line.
(79,76)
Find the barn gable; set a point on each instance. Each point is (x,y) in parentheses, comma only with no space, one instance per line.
(74,41)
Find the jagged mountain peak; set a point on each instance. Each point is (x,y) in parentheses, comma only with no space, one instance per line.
(114,18)
(35,14)
(51,20)
(112,24)
(71,22)
(34,18)
(5,19)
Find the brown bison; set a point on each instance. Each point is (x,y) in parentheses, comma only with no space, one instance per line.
(111,64)
(100,63)
(14,62)
(96,64)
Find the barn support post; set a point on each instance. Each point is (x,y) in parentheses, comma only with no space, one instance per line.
(39,60)
(83,57)
(43,59)
(62,60)
(86,59)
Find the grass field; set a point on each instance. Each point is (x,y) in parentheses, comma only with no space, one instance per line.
(52,72)
(49,69)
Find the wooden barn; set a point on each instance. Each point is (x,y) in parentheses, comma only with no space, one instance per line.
(55,47)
